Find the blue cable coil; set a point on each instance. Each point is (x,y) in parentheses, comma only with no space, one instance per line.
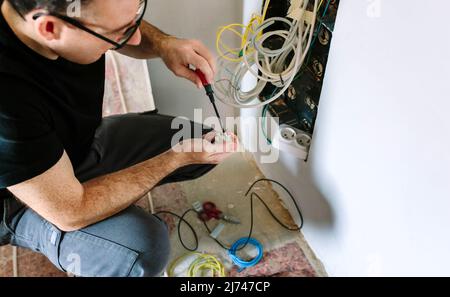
(240,262)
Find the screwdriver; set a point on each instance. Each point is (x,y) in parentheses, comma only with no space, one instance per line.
(210,94)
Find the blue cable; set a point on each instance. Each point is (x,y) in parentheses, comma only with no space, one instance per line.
(240,262)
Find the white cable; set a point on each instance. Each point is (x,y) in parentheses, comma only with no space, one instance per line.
(270,63)
(148,84)
(268,76)
(150,203)
(15,262)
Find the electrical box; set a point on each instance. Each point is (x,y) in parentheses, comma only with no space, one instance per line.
(299,105)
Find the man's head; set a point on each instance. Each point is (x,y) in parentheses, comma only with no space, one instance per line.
(108,18)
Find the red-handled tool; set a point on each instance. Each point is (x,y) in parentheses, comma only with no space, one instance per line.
(210,211)
(210,94)
(203,79)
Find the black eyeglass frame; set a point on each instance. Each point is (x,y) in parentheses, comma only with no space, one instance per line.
(130,31)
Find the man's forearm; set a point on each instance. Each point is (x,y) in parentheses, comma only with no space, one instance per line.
(150,47)
(107,195)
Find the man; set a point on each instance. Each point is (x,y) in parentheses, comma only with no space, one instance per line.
(68,179)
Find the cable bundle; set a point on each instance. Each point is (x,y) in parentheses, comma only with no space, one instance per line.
(266,65)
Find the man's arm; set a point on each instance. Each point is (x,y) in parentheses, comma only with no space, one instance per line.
(177,54)
(152,41)
(61,199)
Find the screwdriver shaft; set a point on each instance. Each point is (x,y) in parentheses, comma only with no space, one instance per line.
(211,97)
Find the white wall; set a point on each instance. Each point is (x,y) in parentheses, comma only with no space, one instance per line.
(198,19)
(376,191)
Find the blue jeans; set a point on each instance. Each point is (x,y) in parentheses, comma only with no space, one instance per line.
(131,243)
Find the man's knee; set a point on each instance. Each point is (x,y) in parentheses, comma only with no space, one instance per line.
(154,257)
(132,243)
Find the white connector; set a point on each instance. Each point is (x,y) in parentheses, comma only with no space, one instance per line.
(222,137)
(216,232)
(197,206)
(292,141)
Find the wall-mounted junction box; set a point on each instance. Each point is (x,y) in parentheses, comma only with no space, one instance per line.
(298,107)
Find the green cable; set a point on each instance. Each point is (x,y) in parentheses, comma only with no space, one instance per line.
(263,117)
(264,124)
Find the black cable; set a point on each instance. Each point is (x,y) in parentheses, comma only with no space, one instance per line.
(249,234)
(215,239)
(181,219)
(252,196)
(273,216)
(281,79)
(286,190)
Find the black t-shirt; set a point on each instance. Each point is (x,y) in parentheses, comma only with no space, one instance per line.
(46,107)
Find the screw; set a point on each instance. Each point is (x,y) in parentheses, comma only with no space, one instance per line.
(324,37)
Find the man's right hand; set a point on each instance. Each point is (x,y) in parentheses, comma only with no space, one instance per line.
(205,151)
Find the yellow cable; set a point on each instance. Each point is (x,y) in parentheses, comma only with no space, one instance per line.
(237,53)
(219,42)
(266,7)
(320,5)
(204,264)
(259,19)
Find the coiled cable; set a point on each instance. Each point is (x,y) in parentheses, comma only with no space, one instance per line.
(243,263)
(267,65)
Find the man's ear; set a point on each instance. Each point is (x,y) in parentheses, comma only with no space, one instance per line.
(48,27)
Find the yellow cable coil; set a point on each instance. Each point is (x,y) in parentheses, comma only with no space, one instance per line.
(203,265)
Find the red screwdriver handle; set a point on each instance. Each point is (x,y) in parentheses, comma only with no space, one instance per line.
(202,77)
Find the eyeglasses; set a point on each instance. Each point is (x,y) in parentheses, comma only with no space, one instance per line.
(126,36)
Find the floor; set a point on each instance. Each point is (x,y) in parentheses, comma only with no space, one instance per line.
(286,253)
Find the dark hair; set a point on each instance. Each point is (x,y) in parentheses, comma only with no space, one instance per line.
(25,6)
